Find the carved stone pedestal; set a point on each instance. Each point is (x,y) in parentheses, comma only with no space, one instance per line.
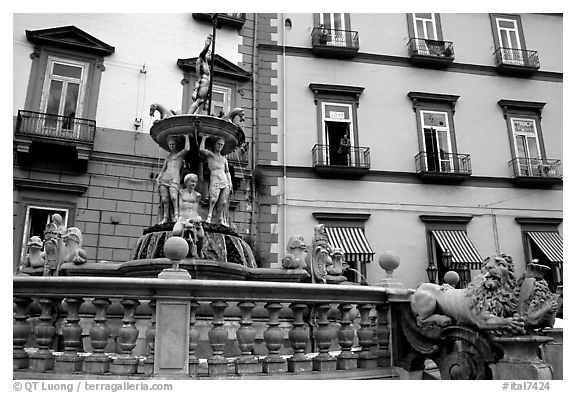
(324,362)
(147,366)
(124,366)
(218,366)
(299,364)
(68,363)
(367,360)
(247,365)
(520,360)
(347,361)
(41,361)
(274,364)
(97,364)
(552,352)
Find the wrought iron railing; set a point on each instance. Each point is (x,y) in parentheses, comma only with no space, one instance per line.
(535,167)
(517,57)
(233,19)
(326,155)
(322,36)
(109,326)
(68,128)
(424,47)
(449,163)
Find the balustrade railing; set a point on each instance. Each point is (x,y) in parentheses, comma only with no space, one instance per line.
(326,155)
(113,326)
(425,47)
(535,167)
(517,57)
(50,126)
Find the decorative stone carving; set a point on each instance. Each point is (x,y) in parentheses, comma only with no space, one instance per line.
(162,111)
(189,224)
(319,257)
(168,180)
(336,267)
(296,256)
(202,87)
(233,114)
(536,303)
(73,243)
(488,302)
(34,258)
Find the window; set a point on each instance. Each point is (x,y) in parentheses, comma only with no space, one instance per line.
(335,25)
(221,97)
(63,92)
(542,242)
(450,248)
(36,219)
(425,32)
(337,118)
(438,151)
(346,232)
(68,62)
(508,38)
(526,143)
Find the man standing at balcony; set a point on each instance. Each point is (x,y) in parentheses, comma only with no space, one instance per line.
(202,86)
(220,187)
(344,149)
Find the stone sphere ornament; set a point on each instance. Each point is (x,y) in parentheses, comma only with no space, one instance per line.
(452,278)
(176,248)
(389,261)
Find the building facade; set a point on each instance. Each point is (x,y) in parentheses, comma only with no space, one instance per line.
(454,124)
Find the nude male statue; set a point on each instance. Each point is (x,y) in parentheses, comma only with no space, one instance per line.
(168,180)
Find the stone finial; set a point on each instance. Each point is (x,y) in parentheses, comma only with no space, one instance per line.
(389,261)
(451,278)
(175,249)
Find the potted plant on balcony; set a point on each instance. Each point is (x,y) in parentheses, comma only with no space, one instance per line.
(323,35)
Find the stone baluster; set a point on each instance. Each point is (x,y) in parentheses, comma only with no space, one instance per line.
(383,335)
(347,360)
(20,332)
(246,336)
(70,361)
(274,337)
(298,335)
(218,335)
(43,359)
(98,362)
(126,363)
(148,363)
(193,342)
(323,336)
(366,359)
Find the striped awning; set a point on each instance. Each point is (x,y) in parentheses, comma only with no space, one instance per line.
(461,247)
(352,242)
(550,243)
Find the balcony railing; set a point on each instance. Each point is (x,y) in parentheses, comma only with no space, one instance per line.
(232,19)
(444,165)
(431,52)
(535,170)
(331,160)
(518,61)
(157,327)
(54,127)
(335,42)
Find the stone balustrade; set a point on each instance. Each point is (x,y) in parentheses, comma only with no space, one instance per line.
(100,327)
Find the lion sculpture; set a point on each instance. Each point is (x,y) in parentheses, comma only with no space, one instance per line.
(536,303)
(489,302)
(296,256)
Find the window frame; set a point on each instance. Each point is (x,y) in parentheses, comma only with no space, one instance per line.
(412,32)
(40,200)
(71,44)
(494,18)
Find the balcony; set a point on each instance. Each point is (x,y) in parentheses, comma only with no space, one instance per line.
(431,53)
(332,42)
(535,171)
(53,129)
(516,61)
(329,162)
(232,19)
(446,167)
(163,328)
